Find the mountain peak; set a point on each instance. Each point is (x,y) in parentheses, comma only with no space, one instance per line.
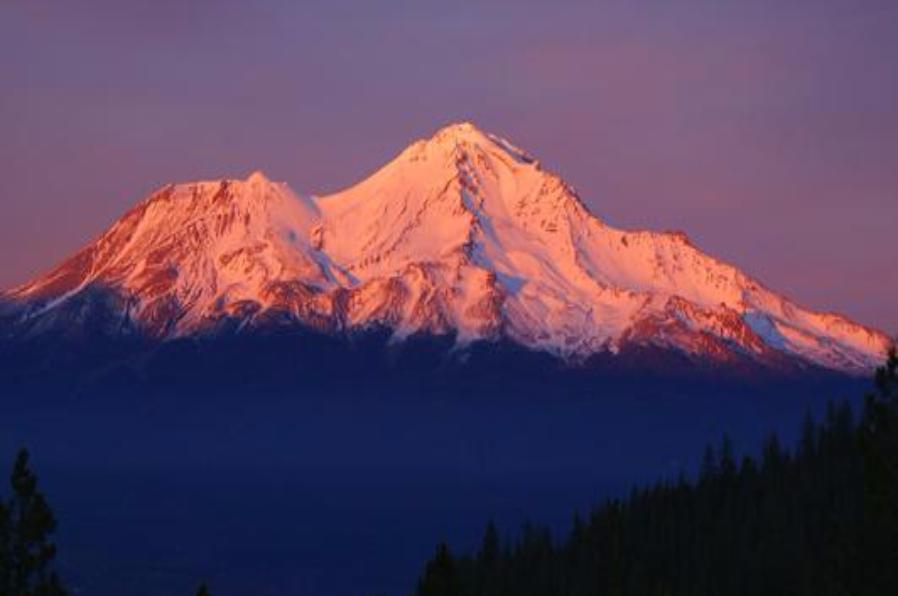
(462,138)
(459,130)
(462,233)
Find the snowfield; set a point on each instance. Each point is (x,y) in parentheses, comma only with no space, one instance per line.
(461,233)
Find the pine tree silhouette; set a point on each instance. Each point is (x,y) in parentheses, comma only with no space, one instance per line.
(819,519)
(441,575)
(26,548)
(879,441)
(5,550)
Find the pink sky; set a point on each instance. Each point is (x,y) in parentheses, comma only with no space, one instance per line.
(768,133)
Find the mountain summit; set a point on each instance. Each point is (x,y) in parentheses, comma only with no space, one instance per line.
(461,234)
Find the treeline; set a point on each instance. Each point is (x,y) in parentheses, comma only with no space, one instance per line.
(818,519)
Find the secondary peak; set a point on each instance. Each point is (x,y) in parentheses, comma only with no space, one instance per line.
(257,177)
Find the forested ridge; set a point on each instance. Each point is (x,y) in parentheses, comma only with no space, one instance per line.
(817,519)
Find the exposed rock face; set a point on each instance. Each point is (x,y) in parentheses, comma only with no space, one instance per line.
(462,233)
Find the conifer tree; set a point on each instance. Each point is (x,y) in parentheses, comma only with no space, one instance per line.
(441,575)
(817,520)
(28,550)
(489,548)
(5,553)
(879,441)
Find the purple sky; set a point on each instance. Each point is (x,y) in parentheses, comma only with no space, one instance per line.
(767,130)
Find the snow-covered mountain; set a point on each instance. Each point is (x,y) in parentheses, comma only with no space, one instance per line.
(462,233)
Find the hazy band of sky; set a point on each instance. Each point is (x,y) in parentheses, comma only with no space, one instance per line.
(767,130)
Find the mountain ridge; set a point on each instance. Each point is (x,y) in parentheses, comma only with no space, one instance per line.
(462,233)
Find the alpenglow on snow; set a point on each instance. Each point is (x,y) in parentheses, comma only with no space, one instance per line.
(462,233)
